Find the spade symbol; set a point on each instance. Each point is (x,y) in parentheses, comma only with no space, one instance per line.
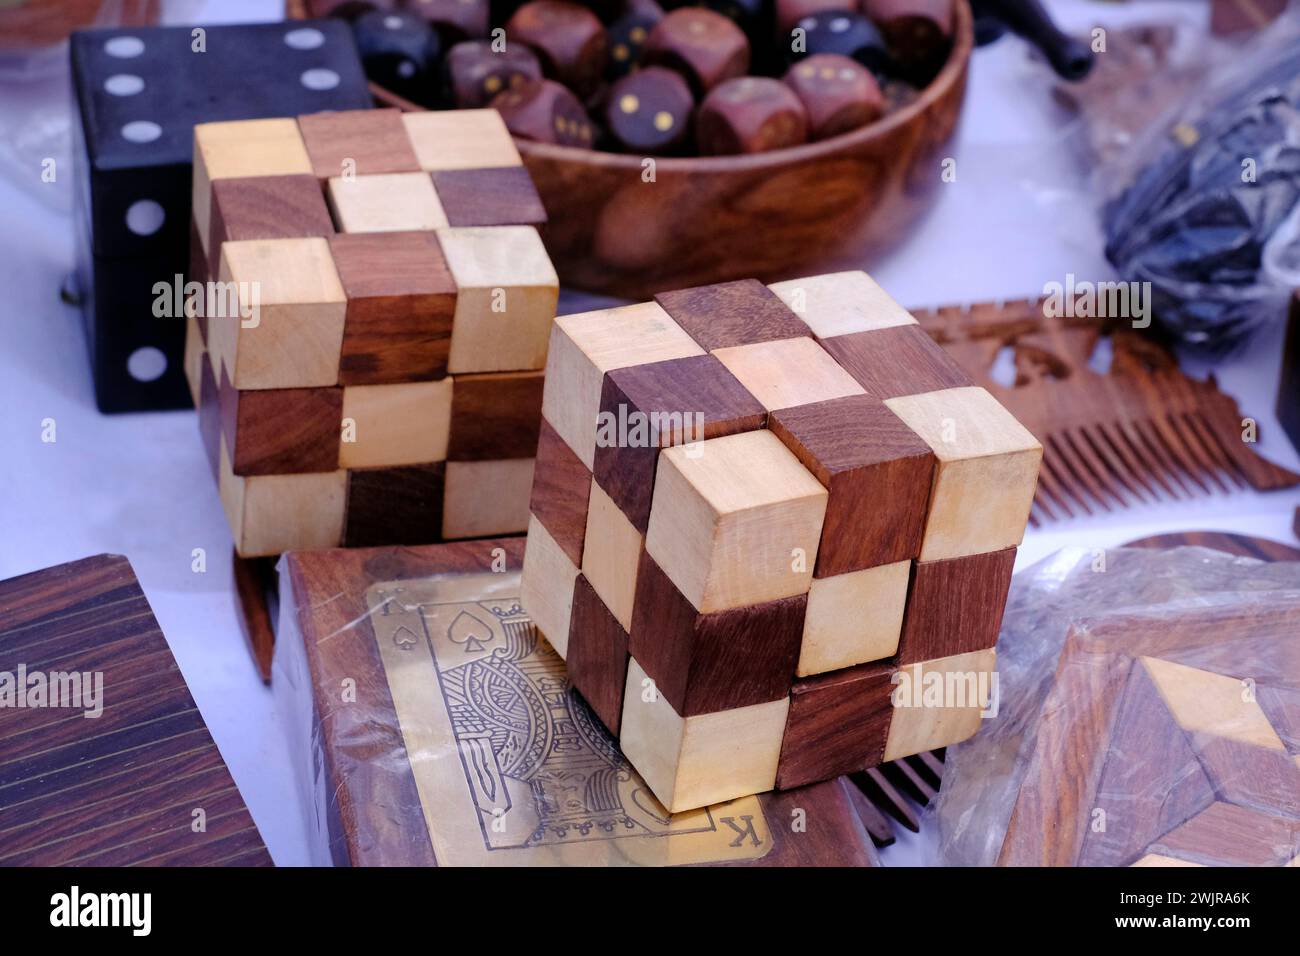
(404,638)
(469,631)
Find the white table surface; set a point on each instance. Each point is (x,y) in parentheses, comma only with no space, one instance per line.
(140,485)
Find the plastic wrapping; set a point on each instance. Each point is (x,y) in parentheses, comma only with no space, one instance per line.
(36,141)
(431,724)
(1150,711)
(1203,203)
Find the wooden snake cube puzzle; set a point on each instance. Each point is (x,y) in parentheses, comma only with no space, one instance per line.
(757,512)
(375,376)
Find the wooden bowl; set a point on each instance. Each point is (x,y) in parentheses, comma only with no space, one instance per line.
(770,216)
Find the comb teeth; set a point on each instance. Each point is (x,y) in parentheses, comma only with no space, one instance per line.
(1171,457)
(897,791)
(1138,433)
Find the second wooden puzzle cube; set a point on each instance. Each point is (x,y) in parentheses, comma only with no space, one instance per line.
(372,370)
(767,523)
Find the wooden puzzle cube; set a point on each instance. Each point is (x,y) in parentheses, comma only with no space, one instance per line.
(367,358)
(771,531)
(133,155)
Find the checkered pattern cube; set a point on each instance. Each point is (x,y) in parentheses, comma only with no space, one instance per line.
(764,519)
(367,358)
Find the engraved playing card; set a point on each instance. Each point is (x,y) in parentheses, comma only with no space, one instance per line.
(511,766)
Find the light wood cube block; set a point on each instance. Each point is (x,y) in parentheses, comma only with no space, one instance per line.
(853,618)
(270,514)
(697,761)
(507,290)
(841,303)
(287,332)
(546,588)
(735,521)
(586,346)
(461,139)
(392,202)
(788,372)
(610,555)
(266,147)
(487,497)
(986,474)
(918,725)
(403,424)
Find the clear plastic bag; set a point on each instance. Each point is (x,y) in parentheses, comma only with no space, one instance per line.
(1108,748)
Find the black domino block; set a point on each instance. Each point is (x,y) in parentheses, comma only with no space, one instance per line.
(134,155)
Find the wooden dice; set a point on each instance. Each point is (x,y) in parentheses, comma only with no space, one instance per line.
(750,114)
(790,12)
(650,111)
(476,73)
(837,93)
(546,112)
(918,32)
(567,37)
(399,51)
(705,47)
(370,374)
(455,20)
(745,532)
(627,37)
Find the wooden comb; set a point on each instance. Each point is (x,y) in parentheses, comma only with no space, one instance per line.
(1136,432)
(895,793)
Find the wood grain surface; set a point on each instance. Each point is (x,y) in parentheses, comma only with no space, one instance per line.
(401,505)
(489,197)
(1147,704)
(495,415)
(674,401)
(561,492)
(901,360)
(596,656)
(362,142)
(838,724)
(864,455)
(373,815)
(123,788)
(281,431)
(955,605)
(401,301)
(265,207)
(731,313)
(255,584)
(703,663)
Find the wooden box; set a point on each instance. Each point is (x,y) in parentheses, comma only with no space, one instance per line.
(123,772)
(434,725)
